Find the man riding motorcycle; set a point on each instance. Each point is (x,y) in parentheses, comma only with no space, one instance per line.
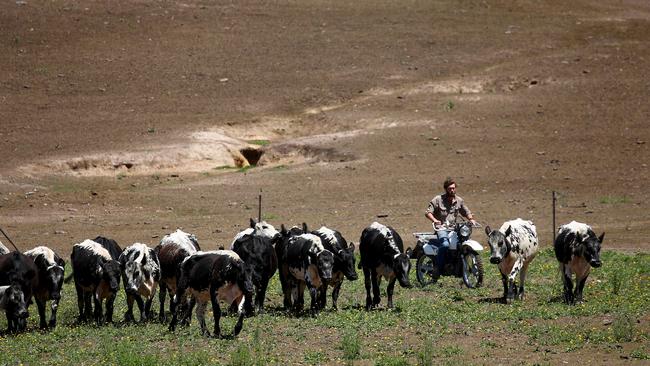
(443,211)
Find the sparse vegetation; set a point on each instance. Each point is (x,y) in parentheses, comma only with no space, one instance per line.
(612,200)
(259,142)
(449,105)
(428,326)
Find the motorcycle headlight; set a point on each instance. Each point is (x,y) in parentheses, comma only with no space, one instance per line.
(465,230)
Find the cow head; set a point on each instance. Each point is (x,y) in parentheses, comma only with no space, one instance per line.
(402,267)
(54,279)
(15,303)
(136,272)
(499,244)
(325,264)
(346,261)
(591,250)
(264,229)
(111,274)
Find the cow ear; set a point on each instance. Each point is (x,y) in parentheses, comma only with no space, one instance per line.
(351,246)
(283,230)
(304,227)
(601,237)
(509,231)
(488,230)
(144,259)
(252,223)
(60,262)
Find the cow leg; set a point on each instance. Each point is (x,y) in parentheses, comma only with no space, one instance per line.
(98,309)
(322,296)
(580,285)
(161,299)
(568,283)
(80,302)
(248,306)
(128,316)
(504,280)
(335,294)
(313,294)
(147,308)
(240,320)
(200,317)
(41,313)
(367,283)
(389,291)
(187,313)
(54,306)
(87,308)
(376,281)
(110,301)
(511,280)
(143,314)
(287,290)
(216,310)
(261,295)
(522,280)
(174,306)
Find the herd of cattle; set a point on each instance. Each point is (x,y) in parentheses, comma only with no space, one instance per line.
(240,275)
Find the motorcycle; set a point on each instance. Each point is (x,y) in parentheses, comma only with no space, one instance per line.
(462,258)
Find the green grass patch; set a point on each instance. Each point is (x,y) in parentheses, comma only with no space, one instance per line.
(259,142)
(612,200)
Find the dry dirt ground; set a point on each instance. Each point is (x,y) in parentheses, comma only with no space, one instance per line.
(126,118)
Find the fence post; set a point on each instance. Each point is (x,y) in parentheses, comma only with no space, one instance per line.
(554,200)
(259,207)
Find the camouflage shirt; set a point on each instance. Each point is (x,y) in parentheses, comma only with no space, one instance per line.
(448,212)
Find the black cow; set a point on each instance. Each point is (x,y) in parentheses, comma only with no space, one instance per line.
(17,269)
(171,252)
(51,268)
(382,255)
(255,248)
(303,262)
(141,274)
(96,277)
(577,249)
(344,263)
(214,276)
(13,302)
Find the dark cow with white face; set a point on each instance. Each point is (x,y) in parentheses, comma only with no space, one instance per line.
(171,252)
(13,302)
(382,255)
(512,248)
(213,276)
(304,262)
(18,271)
(141,274)
(577,249)
(51,268)
(96,277)
(344,262)
(255,247)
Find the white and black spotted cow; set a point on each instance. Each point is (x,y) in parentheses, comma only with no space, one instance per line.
(96,277)
(382,255)
(51,268)
(512,248)
(255,247)
(577,249)
(304,262)
(171,252)
(14,304)
(213,276)
(344,263)
(140,275)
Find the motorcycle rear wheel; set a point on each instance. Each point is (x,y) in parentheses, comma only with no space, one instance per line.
(425,270)
(472,269)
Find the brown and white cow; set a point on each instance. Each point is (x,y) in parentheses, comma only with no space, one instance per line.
(141,274)
(577,249)
(171,252)
(213,276)
(382,255)
(51,268)
(512,248)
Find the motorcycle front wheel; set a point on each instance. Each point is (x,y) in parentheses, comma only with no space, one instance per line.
(425,270)
(472,269)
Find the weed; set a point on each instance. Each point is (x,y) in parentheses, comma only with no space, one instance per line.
(246,168)
(120,176)
(351,345)
(611,200)
(259,142)
(449,105)
(241,356)
(640,354)
(224,167)
(392,361)
(151,130)
(315,358)
(280,167)
(616,282)
(426,354)
(623,327)
(269,217)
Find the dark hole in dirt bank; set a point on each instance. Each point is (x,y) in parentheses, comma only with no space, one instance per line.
(252,155)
